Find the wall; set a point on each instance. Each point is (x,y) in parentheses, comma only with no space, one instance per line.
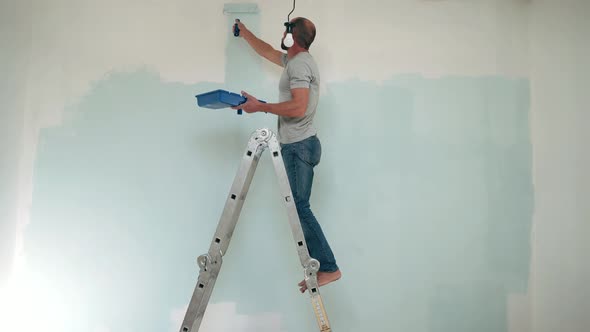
(559,81)
(427,103)
(15,36)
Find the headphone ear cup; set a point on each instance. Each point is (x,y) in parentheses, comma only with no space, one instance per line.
(289,37)
(289,27)
(289,40)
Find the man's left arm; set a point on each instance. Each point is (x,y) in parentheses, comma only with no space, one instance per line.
(295,108)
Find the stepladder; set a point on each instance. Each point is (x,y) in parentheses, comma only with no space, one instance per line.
(210,263)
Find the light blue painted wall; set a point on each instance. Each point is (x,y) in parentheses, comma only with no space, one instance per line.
(424,191)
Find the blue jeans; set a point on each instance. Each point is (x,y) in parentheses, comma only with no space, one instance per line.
(300,158)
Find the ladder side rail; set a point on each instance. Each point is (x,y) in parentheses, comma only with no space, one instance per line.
(237,196)
(311,265)
(210,263)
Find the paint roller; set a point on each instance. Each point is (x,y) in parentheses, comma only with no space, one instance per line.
(252,8)
(239,8)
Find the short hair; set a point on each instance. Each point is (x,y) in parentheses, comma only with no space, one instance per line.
(303,32)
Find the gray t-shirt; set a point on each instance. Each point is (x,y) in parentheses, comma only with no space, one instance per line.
(300,71)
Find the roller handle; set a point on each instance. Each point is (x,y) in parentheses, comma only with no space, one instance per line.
(236,29)
(240,110)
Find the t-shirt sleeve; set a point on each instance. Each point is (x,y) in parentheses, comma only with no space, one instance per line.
(300,75)
(284,59)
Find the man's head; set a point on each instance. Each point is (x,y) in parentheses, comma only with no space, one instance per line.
(303,33)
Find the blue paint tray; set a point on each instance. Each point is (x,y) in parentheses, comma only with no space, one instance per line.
(219,99)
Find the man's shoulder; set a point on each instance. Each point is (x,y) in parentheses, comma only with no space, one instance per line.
(306,57)
(303,57)
(301,61)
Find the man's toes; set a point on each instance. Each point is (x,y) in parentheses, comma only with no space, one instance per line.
(302,286)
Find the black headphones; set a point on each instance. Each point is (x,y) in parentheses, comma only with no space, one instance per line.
(289,37)
(289,28)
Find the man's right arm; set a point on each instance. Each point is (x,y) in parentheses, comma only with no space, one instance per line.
(261,47)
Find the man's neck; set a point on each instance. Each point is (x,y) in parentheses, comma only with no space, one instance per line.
(294,50)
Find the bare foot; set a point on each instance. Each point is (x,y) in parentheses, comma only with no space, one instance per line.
(324,278)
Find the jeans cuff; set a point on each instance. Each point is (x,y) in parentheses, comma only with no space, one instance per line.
(329,267)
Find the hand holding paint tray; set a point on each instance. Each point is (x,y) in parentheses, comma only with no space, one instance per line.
(218,99)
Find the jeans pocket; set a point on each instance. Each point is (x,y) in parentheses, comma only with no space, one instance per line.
(310,151)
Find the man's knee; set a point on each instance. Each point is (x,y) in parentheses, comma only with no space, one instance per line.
(304,211)
(301,203)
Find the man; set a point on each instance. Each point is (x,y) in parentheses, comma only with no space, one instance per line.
(300,146)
